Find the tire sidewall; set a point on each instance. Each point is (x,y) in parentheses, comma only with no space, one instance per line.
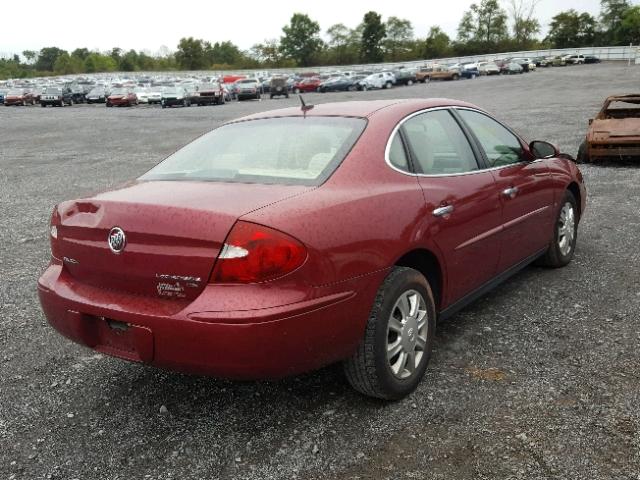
(408,279)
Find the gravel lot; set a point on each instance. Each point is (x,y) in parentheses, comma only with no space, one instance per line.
(539,379)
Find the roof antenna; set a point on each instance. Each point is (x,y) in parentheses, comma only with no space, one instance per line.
(305,108)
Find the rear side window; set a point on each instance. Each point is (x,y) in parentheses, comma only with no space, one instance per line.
(500,145)
(439,145)
(397,154)
(286,150)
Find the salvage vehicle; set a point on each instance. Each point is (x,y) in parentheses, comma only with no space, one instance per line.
(122,97)
(615,131)
(210,93)
(307,85)
(338,84)
(56,96)
(97,95)
(591,59)
(405,76)
(278,87)
(19,96)
(576,59)
(441,72)
(142,94)
(3,93)
(248,88)
(155,95)
(288,240)
(488,68)
(175,97)
(375,81)
(512,68)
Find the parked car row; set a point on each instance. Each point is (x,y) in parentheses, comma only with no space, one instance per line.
(203,90)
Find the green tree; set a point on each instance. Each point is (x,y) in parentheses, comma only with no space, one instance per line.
(129,61)
(66,64)
(484,23)
(30,55)
(339,43)
(373,33)
(190,54)
(81,53)
(437,44)
(525,25)
(399,39)
(47,58)
(630,26)
(301,40)
(611,14)
(572,29)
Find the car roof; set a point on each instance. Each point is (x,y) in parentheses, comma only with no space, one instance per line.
(363,109)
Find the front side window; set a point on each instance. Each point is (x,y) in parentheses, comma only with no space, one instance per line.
(288,150)
(438,144)
(500,145)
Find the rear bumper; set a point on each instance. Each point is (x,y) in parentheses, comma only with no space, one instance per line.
(614,151)
(244,344)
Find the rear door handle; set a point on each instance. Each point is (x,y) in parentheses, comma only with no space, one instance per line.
(443,211)
(511,192)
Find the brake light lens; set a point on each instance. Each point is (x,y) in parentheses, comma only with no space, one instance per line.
(254,253)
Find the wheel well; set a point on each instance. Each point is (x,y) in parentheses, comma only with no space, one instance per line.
(426,263)
(573,188)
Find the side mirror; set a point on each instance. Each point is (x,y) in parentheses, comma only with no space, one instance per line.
(542,149)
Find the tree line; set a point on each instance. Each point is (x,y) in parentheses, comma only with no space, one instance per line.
(486,27)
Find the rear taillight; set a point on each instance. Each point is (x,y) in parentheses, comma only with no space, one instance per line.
(254,253)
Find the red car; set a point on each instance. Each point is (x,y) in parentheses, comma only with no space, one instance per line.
(307,85)
(296,238)
(122,97)
(19,97)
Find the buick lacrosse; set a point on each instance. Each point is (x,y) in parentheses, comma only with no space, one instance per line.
(289,240)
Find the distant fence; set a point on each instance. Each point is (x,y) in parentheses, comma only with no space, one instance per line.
(604,53)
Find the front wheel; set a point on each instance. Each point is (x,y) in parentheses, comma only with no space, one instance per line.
(583,155)
(396,347)
(565,235)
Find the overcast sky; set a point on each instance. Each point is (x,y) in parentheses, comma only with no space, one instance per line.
(147,25)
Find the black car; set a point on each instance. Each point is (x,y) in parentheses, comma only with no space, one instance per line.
(56,96)
(405,76)
(338,84)
(591,59)
(77,92)
(96,95)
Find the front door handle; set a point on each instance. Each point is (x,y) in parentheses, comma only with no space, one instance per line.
(443,211)
(511,192)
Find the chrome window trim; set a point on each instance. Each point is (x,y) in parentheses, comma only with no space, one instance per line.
(436,175)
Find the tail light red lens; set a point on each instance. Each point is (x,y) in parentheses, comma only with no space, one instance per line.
(255,253)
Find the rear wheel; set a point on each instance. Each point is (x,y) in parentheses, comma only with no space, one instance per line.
(565,235)
(395,349)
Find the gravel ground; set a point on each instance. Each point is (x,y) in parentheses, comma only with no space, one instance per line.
(539,379)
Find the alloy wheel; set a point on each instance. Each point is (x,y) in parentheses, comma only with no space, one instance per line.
(566,228)
(407,334)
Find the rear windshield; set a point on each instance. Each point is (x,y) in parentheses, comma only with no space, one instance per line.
(289,150)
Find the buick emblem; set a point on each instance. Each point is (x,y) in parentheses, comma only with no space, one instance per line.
(116,240)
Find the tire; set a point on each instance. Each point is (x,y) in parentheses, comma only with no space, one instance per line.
(296,91)
(43,105)
(71,102)
(409,83)
(364,88)
(583,156)
(369,370)
(388,85)
(455,77)
(563,246)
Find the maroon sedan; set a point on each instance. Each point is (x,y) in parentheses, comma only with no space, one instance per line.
(293,239)
(19,97)
(122,97)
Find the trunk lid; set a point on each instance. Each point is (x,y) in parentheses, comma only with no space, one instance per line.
(173,233)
